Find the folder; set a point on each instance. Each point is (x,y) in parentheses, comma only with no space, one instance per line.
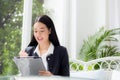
(29,66)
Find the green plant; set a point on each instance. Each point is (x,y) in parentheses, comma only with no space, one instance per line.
(99,45)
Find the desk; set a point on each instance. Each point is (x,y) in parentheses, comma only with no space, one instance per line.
(41,78)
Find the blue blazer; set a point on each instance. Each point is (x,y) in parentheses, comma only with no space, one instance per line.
(58,62)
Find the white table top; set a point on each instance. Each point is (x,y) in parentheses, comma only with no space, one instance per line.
(41,78)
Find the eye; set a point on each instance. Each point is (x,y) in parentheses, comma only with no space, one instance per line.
(35,31)
(42,30)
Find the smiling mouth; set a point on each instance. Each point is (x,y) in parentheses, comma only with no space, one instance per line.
(39,39)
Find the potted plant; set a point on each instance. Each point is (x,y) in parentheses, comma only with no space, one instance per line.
(99,45)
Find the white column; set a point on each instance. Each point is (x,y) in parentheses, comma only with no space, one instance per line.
(73,28)
(66,25)
(113,18)
(27,21)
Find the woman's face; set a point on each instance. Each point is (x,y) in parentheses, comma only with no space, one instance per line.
(41,33)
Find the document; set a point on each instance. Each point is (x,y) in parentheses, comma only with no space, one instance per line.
(29,66)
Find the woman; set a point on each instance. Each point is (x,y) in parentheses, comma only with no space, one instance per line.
(45,44)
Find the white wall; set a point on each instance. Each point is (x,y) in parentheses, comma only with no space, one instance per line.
(91,15)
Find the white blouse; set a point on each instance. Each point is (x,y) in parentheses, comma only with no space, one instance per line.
(44,56)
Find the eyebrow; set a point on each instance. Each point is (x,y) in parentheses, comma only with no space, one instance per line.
(42,28)
(39,28)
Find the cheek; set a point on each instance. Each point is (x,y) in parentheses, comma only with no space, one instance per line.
(34,34)
(46,35)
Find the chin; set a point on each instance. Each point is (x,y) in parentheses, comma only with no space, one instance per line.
(40,42)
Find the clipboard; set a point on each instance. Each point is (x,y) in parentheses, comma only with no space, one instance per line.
(29,66)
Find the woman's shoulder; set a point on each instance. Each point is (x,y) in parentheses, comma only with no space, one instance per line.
(61,51)
(60,48)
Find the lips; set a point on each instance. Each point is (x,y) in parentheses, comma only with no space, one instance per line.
(39,39)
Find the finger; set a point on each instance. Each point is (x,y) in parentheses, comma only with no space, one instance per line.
(42,71)
(45,73)
(23,54)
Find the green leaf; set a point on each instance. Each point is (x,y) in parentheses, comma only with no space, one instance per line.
(96,46)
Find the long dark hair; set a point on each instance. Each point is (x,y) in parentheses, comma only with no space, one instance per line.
(50,25)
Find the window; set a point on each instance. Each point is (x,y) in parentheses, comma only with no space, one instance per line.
(10,34)
(11,30)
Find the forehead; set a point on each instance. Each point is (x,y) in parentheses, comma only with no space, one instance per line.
(39,25)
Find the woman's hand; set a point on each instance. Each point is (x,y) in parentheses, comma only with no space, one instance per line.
(23,54)
(45,73)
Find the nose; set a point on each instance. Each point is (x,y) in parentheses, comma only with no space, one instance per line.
(38,34)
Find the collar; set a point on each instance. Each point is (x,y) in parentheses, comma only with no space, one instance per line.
(49,51)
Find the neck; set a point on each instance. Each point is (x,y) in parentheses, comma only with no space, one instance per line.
(44,47)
